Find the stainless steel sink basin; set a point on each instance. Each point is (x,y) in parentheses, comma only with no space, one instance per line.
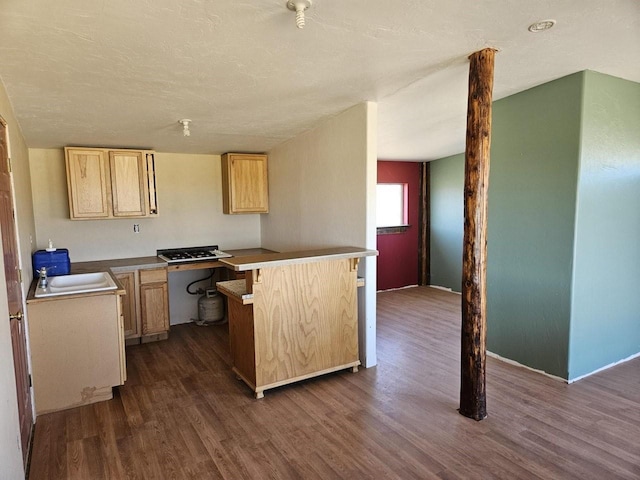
(78,283)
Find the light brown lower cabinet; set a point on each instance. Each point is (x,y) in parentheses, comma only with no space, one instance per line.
(127,280)
(146,305)
(77,350)
(154,301)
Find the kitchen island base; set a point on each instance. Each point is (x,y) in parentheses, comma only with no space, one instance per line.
(259,391)
(294,316)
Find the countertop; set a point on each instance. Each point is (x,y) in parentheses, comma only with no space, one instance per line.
(201,264)
(118,265)
(139,263)
(31,295)
(236,289)
(274,259)
(115,265)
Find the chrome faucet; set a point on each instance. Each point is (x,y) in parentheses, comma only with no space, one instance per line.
(42,282)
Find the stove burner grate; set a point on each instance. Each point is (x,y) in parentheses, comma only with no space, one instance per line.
(191,254)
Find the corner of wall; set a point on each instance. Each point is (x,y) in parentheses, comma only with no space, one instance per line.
(368,308)
(604,327)
(571,346)
(322,193)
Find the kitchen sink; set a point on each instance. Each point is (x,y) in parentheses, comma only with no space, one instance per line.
(77,283)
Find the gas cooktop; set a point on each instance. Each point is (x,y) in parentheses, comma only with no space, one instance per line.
(191,254)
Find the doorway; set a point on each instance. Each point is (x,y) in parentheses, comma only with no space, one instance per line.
(403,243)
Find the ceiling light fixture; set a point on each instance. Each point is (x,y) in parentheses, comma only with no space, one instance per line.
(185,127)
(299,6)
(541,26)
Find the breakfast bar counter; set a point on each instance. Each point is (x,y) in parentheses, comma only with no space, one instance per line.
(294,316)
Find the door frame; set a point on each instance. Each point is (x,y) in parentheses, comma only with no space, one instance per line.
(4,130)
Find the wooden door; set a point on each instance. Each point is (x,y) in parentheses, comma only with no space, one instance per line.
(88,183)
(247,187)
(154,300)
(14,294)
(128,183)
(130,318)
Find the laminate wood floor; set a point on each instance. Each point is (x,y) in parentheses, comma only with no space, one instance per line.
(183,414)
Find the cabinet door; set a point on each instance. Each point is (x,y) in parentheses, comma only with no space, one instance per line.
(151,183)
(131,327)
(121,350)
(128,184)
(88,183)
(154,302)
(241,340)
(245,184)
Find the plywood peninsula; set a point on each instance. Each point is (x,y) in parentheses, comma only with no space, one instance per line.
(294,316)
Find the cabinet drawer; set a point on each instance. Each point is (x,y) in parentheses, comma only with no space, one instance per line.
(156,275)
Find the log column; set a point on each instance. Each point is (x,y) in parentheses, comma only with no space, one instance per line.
(476,183)
(424,228)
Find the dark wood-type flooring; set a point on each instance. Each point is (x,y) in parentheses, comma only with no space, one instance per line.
(183,414)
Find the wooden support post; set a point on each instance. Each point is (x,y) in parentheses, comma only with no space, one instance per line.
(424,229)
(476,183)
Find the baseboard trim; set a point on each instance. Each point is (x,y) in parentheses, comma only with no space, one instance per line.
(446,289)
(518,364)
(398,288)
(606,367)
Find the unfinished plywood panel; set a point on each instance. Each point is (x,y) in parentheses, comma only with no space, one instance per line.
(305,320)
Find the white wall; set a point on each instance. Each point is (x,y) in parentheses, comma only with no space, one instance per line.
(10,450)
(322,194)
(190,206)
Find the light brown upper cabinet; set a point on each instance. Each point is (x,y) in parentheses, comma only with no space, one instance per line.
(104,183)
(245,187)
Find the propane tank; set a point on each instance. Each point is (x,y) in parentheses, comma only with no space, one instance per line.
(210,307)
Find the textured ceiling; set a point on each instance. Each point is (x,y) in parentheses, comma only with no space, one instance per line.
(122,73)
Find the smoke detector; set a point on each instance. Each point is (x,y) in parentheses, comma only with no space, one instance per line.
(299,6)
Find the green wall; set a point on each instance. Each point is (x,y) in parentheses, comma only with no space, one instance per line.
(605,324)
(532,190)
(564,223)
(447,225)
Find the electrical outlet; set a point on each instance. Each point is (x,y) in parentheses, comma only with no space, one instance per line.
(136,228)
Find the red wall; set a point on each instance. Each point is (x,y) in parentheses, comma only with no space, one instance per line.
(398,258)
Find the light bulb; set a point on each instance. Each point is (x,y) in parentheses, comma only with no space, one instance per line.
(185,127)
(299,6)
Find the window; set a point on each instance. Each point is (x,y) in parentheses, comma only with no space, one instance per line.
(391,207)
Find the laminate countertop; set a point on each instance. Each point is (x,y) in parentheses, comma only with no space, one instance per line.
(275,259)
(140,263)
(118,265)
